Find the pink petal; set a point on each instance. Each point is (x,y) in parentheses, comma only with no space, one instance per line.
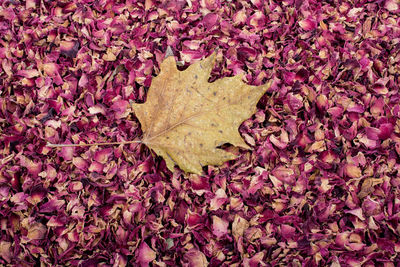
(308,24)
(120,108)
(75,186)
(96,167)
(328,156)
(254,261)
(199,182)
(287,231)
(33,168)
(385,131)
(335,111)
(30,4)
(145,254)
(240,17)
(67,153)
(372,133)
(219,199)
(392,5)
(284,174)
(98,109)
(83,81)
(220,226)
(210,20)
(357,212)
(102,156)
(194,219)
(80,163)
(28,73)
(196,258)
(239,226)
(379,88)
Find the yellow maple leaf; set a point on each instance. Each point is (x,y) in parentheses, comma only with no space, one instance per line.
(185,118)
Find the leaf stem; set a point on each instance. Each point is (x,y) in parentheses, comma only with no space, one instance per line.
(94,144)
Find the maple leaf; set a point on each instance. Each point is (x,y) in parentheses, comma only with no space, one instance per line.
(185,118)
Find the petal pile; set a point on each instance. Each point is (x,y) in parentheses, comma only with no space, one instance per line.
(319,188)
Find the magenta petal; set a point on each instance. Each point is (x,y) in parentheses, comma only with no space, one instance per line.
(371,207)
(210,20)
(28,73)
(199,182)
(302,75)
(379,88)
(67,153)
(358,108)
(52,205)
(96,167)
(385,131)
(372,133)
(101,156)
(80,163)
(308,24)
(287,231)
(194,219)
(120,108)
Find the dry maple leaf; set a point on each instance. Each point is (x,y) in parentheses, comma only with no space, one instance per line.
(185,118)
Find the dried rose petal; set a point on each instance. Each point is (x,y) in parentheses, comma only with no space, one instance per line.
(220,226)
(352,170)
(5,251)
(308,24)
(145,255)
(36,231)
(196,258)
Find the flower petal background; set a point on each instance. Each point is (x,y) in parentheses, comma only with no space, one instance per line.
(320,187)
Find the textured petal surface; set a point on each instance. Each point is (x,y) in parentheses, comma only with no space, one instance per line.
(321,186)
